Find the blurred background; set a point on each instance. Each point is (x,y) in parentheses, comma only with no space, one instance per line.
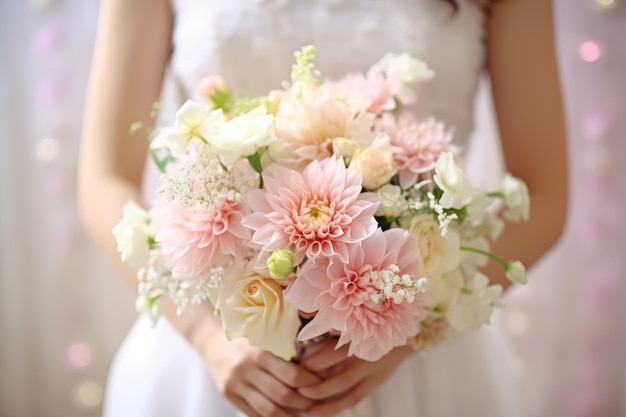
(64,310)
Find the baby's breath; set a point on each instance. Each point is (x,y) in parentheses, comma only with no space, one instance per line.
(443,218)
(389,285)
(204,180)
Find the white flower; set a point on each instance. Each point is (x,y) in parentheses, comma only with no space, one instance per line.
(150,304)
(132,235)
(251,305)
(492,225)
(516,272)
(440,254)
(516,198)
(474,305)
(345,147)
(375,163)
(404,72)
(193,120)
(445,289)
(457,190)
(392,202)
(472,261)
(243,135)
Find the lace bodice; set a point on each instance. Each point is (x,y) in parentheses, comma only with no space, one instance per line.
(251,44)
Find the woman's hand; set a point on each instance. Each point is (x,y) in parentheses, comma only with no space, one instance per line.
(347,380)
(255,381)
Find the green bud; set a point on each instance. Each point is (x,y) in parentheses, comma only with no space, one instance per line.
(280,263)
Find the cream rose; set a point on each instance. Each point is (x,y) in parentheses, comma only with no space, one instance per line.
(439,254)
(376,166)
(251,305)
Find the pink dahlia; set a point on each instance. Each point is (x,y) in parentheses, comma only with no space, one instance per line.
(318,212)
(375,299)
(195,239)
(416,145)
(375,90)
(306,127)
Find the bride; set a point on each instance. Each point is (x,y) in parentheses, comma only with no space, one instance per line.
(159,49)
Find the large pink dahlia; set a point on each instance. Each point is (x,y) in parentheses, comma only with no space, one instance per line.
(375,299)
(319,212)
(416,145)
(195,239)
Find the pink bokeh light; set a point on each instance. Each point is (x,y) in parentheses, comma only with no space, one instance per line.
(589,51)
(79,355)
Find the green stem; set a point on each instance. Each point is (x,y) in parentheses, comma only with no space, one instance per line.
(496,194)
(499,260)
(199,136)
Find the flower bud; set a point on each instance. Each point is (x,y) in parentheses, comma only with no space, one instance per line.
(280,263)
(516,272)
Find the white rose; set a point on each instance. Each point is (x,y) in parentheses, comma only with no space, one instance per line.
(516,198)
(252,306)
(243,135)
(440,254)
(457,190)
(376,165)
(193,120)
(132,235)
(475,304)
(392,202)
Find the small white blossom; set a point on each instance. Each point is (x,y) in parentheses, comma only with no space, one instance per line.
(392,201)
(389,285)
(516,272)
(516,198)
(132,235)
(193,120)
(457,190)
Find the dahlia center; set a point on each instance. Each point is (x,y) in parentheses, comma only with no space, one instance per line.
(314,214)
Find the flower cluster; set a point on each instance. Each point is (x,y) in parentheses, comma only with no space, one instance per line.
(326,200)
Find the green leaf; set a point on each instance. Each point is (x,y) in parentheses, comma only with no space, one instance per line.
(255,163)
(161,163)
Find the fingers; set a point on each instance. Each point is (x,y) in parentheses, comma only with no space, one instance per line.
(258,405)
(334,385)
(342,402)
(287,372)
(276,391)
(325,357)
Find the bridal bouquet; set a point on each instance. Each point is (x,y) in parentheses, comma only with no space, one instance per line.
(321,208)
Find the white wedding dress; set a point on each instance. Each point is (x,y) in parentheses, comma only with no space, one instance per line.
(251,43)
